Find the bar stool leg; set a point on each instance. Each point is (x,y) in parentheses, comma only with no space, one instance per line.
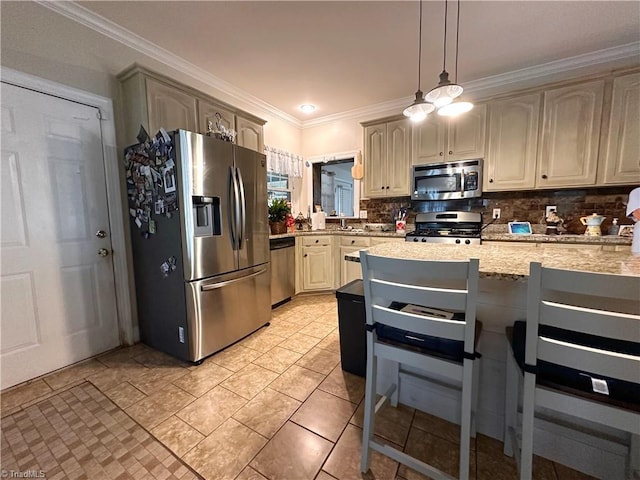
(369,404)
(528,405)
(512,387)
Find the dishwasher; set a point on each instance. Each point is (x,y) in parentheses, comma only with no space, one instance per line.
(282,270)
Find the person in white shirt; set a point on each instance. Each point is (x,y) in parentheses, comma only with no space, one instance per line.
(633,211)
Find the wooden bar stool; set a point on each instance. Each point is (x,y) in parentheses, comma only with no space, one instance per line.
(421,314)
(576,356)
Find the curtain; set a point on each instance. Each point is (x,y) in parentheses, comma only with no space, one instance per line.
(283,162)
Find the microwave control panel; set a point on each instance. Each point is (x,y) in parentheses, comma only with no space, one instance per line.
(470,181)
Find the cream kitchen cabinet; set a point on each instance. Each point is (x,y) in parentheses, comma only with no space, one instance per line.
(570,136)
(437,139)
(512,150)
(387,158)
(207,113)
(153,101)
(315,263)
(621,152)
(250,133)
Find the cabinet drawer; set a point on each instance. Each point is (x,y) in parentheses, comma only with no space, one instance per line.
(379,240)
(316,240)
(349,241)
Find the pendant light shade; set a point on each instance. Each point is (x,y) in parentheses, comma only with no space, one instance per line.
(444,94)
(419,109)
(455,108)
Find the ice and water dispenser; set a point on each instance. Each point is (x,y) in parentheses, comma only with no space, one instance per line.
(206,216)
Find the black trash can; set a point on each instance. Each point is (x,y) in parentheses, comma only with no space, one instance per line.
(351,325)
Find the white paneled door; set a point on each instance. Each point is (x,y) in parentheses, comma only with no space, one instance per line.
(58,302)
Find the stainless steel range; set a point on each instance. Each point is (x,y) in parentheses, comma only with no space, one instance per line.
(462,228)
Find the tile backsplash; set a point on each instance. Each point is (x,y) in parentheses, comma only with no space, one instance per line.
(527,206)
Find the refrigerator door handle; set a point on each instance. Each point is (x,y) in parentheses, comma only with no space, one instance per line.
(234,210)
(243,210)
(213,286)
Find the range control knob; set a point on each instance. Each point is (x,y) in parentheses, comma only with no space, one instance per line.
(424,240)
(468,242)
(457,240)
(415,239)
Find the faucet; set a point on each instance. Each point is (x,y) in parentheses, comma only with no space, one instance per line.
(343,223)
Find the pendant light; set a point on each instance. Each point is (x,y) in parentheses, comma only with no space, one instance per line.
(419,109)
(456,107)
(445,91)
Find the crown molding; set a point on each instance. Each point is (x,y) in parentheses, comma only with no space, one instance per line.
(544,70)
(106,27)
(114,31)
(536,72)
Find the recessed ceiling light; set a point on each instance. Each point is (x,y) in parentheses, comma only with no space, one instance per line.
(307,108)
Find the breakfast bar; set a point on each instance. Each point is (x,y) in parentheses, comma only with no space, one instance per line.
(502,299)
(512,262)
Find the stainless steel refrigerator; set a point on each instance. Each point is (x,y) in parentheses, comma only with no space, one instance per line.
(201,259)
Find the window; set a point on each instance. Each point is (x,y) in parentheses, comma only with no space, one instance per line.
(333,187)
(329,183)
(278,186)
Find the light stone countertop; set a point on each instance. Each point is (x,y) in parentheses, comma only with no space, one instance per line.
(358,233)
(498,237)
(540,238)
(503,261)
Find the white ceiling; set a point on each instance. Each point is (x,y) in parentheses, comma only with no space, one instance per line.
(342,56)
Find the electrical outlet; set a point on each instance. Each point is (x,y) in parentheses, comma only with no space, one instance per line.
(548,210)
(496,213)
(363,214)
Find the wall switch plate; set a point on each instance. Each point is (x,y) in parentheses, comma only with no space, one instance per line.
(363,214)
(548,210)
(496,213)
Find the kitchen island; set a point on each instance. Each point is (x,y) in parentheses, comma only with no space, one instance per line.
(502,300)
(512,262)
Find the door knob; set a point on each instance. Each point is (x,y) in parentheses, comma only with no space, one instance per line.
(101,234)
(103,252)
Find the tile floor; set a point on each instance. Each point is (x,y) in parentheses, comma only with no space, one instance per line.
(274,406)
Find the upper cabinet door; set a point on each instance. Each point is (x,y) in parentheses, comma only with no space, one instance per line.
(428,140)
(375,160)
(467,134)
(398,157)
(513,143)
(622,145)
(169,108)
(249,134)
(207,113)
(570,135)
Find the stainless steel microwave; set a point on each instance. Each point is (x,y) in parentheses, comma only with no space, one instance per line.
(447,181)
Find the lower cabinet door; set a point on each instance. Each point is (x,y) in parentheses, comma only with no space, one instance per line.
(317,268)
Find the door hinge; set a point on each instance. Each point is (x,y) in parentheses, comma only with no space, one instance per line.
(99,114)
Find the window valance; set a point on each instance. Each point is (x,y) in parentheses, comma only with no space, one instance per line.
(283,162)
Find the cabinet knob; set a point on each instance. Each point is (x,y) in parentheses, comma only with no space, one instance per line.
(544,176)
(491,180)
(441,153)
(305,255)
(352,242)
(450,152)
(317,241)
